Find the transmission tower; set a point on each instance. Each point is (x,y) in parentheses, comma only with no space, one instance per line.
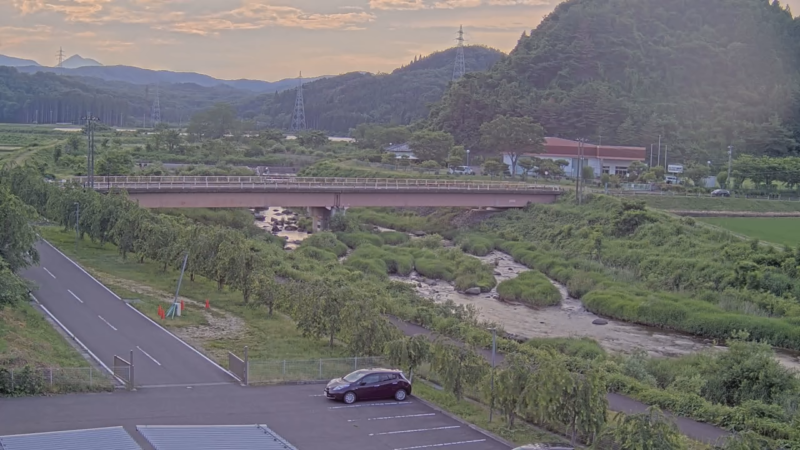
(156,114)
(299,116)
(60,56)
(460,68)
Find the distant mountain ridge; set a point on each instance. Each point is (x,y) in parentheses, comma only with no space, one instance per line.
(11,61)
(84,67)
(76,61)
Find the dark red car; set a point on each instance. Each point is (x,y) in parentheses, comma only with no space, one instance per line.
(369,384)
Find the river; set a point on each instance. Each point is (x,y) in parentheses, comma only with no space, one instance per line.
(570,319)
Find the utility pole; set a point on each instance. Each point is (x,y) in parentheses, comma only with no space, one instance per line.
(579,182)
(460,68)
(666,150)
(651,155)
(494,350)
(90,121)
(658,160)
(77,225)
(299,116)
(730,162)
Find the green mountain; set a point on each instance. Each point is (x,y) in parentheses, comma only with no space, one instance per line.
(702,74)
(49,98)
(337,104)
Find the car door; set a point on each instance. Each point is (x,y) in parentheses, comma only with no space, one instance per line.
(368,387)
(385,386)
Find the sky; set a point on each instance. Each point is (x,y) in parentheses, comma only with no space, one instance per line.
(261,39)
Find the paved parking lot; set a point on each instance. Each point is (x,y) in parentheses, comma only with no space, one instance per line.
(299,414)
(390,425)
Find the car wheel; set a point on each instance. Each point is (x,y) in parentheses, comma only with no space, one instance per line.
(400,395)
(349,398)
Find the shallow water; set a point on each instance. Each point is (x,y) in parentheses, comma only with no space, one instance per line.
(293,238)
(570,319)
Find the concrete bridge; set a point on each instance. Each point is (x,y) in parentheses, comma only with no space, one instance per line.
(322,195)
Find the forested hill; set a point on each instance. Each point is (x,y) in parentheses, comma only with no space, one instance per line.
(703,74)
(338,104)
(24,97)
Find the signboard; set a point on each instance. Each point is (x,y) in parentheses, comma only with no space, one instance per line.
(675,168)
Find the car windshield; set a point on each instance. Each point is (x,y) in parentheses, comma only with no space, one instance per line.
(353,376)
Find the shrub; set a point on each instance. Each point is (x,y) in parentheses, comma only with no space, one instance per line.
(326,241)
(317,254)
(353,240)
(476,244)
(394,237)
(530,287)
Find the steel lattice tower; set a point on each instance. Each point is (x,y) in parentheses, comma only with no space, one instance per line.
(299,116)
(156,114)
(460,68)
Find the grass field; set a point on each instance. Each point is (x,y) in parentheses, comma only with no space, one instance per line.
(229,326)
(675,203)
(779,230)
(26,338)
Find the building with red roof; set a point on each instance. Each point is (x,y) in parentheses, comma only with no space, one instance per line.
(610,159)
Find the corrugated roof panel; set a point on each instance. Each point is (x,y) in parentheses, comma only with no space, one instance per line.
(222,437)
(94,439)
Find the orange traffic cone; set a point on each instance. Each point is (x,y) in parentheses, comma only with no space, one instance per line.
(207,305)
(181,305)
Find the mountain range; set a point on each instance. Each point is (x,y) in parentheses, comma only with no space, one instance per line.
(84,67)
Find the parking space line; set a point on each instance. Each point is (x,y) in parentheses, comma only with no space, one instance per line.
(51,273)
(446,444)
(76,297)
(419,430)
(395,417)
(371,404)
(146,354)
(112,326)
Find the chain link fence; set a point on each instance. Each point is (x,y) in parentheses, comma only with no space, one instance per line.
(53,380)
(309,370)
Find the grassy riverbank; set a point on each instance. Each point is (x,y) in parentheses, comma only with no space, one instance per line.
(777,230)
(681,203)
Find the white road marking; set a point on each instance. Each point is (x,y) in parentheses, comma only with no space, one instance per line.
(112,326)
(146,354)
(446,444)
(51,273)
(396,417)
(99,361)
(419,430)
(370,404)
(76,297)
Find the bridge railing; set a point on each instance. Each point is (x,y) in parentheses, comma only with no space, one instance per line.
(289,182)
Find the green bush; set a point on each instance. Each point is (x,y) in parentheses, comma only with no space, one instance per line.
(394,237)
(583,348)
(476,244)
(394,260)
(316,253)
(530,287)
(353,240)
(435,269)
(326,241)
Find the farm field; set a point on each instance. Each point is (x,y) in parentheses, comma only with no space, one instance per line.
(779,230)
(673,203)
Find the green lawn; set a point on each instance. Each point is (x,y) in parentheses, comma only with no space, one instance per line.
(676,203)
(229,326)
(779,230)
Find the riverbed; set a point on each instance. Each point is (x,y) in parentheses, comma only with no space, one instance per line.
(569,319)
(283,219)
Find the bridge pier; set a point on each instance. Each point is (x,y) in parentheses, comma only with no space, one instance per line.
(321,217)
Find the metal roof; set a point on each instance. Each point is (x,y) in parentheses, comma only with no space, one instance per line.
(93,439)
(221,437)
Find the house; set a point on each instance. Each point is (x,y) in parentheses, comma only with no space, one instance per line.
(610,159)
(401,151)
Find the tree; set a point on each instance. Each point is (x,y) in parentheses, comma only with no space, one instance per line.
(457,366)
(17,236)
(431,145)
(12,288)
(312,139)
(696,173)
(636,169)
(367,329)
(74,144)
(510,384)
(409,351)
(494,167)
(320,311)
(214,122)
(647,431)
(267,291)
(576,399)
(512,136)
(527,164)
(115,163)
(172,139)
(240,260)
(456,156)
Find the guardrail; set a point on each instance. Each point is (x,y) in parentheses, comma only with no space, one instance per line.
(289,182)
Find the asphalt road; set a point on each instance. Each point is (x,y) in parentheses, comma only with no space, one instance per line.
(108,326)
(698,431)
(299,414)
